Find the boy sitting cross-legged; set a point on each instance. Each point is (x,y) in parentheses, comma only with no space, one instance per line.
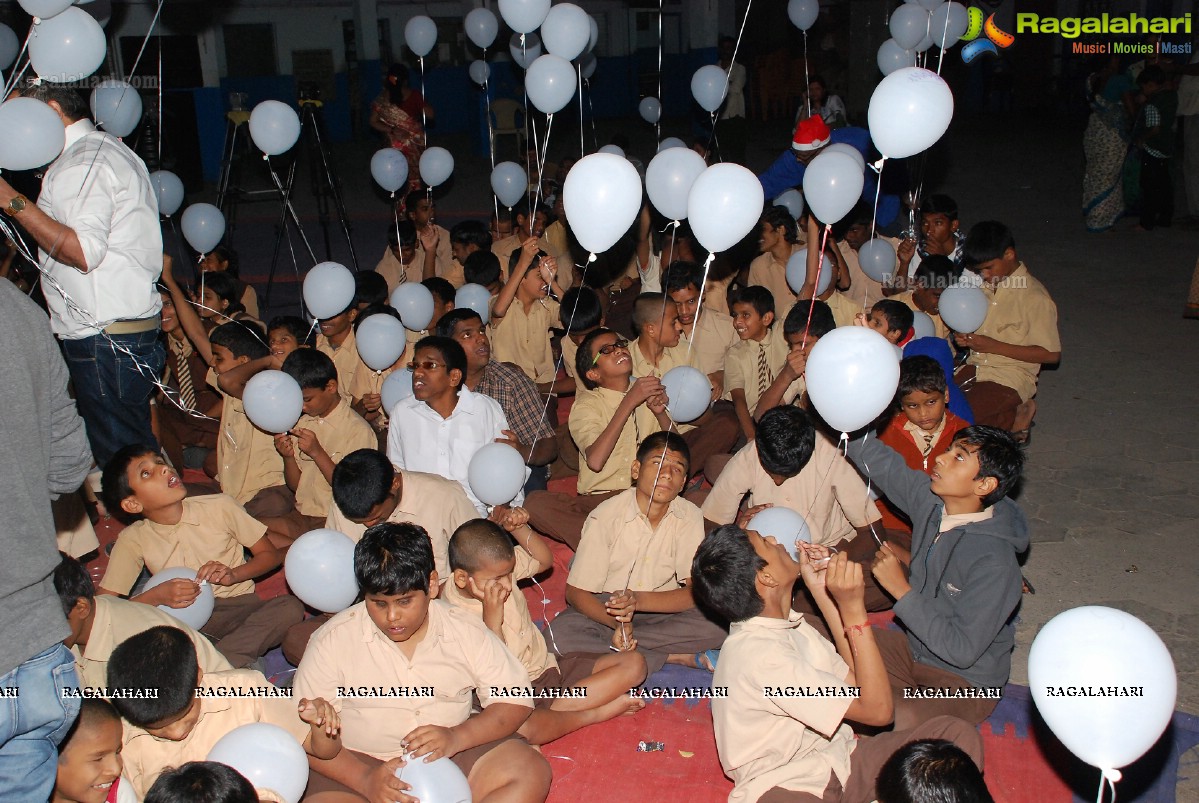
(437,658)
(190,711)
(486,568)
(782,731)
(208,534)
(628,584)
(956,597)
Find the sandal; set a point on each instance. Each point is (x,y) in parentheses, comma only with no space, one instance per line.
(710,656)
(1023,437)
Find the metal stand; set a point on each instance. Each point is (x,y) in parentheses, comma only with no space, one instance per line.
(230,192)
(326,188)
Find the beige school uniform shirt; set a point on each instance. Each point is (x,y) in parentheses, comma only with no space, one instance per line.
(521,636)
(827,492)
(505,248)
(589,415)
(716,295)
(672,357)
(117,619)
(741,364)
(569,353)
(458,656)
(213,527)
(792,742)
(396,273)
(1023,314)
(712,335)
(844,308)
(345,360)
(435,503)
(905,298)
(341,432)
(617,537)
(522,337)
(247,461)
(146,756)
(766,271)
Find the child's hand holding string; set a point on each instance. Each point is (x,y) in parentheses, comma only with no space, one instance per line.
(319,711)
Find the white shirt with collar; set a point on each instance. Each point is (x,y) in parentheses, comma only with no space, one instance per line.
(101,189)
(419,439)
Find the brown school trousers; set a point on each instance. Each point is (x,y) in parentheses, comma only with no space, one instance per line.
(245,627)
(298,635)
(871,752)
(658,635)
(993,404)
(270,502)
(561,516)
(905,673)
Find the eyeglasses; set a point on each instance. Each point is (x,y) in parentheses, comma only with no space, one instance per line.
(425,365)
(603,351)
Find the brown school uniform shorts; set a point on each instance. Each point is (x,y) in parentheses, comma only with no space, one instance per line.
(573,668)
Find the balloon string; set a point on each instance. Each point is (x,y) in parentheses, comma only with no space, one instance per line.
(807,79)
(403,269)
(819,266)
(582,147)
(283,194)
(591,108)
(424,122)
(878,188)
(944,36)
(524,59)
(16,74)
(869,481)
(545,149)
(729,73)
(137,61)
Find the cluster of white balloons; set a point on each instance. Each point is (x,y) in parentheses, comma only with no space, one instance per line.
(918,25)
(568,34)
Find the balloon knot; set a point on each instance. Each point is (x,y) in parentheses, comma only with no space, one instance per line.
(877,167)
(591,258)
(1112,774)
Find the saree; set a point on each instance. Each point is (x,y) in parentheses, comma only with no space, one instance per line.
(406,135)
(1105,144)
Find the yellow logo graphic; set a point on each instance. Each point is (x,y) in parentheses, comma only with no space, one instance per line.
(977,25)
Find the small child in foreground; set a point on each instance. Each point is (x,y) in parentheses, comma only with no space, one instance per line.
(89,758)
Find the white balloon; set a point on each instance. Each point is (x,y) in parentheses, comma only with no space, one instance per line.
(615,150)
(688,393)
(414,302)
(909,111)
(922,325)
(566,30)
(116,107)
(10,46)
(169,189)
(784,524)
(328,289)
(797,272)
(33,134)
(67,47)
(793,200)
(274,127)
(1096,647)
(832,184)
(475,297)
(482,27)
(892,57)
(708,87)
(389,169)
(396,387)
(602,197)
(672,142)
(319,567)
(267,756)
(437,781)
(524,16)
(195,615)
(948,24)
(929,4)
(724,205)
(669,178)
(420,34)
(963,307)
(496,474)
(550,83)
(526,54)
(908,25)
(803,13)
(479,71)
(273,401)
(848,150)
(925,43)
(587,64)
(852,373)
(650,110)
(592,33)
(436,164)
(45,9)
(380,340)
(509,182)
(203,226)
(877,259)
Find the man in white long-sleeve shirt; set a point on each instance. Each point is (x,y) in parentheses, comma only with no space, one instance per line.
(100,248)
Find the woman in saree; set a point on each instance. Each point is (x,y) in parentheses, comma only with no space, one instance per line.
(399,113)
(1105,145)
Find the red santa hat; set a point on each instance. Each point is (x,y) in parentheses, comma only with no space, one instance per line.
(811,134)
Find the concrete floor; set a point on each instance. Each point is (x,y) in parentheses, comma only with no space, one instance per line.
(1110,480)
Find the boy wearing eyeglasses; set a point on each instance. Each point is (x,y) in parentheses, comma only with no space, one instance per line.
(607,422)
(442,424)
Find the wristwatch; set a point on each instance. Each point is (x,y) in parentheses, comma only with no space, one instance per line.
(16,205)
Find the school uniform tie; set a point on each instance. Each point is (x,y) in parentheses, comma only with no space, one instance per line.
(187,390)
(763,371)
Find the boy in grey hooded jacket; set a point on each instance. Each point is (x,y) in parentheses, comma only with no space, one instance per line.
(957,592)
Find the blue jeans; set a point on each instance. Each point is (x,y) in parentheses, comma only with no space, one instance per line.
(33,724)
(113,389)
